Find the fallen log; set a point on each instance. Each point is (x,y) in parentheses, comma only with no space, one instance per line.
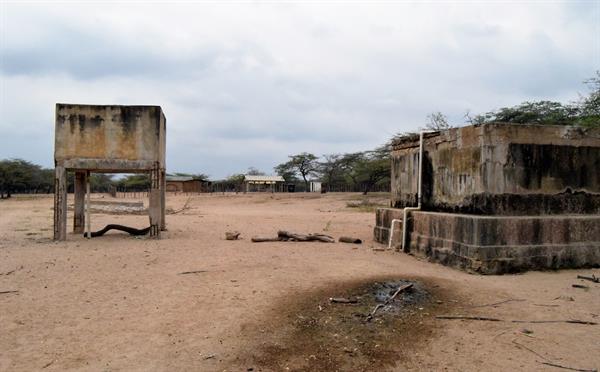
(592,278)
(347,239)
(580,286)
(258,239)
(127,229)
(342,300)
(286,235)
(7,292)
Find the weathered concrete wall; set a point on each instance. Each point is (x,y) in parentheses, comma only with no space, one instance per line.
(117,138)
(383,222)
(502,169)
(125,139)
(497,245)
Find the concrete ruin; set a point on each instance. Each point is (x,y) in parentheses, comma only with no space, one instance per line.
(498,198)
(107,139)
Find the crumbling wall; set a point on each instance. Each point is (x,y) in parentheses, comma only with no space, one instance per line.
(502,169)
(93,137)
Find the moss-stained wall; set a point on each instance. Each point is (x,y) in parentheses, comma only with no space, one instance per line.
(90,136)
(502,169)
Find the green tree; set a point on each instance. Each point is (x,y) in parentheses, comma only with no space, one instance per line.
(252,171)
(373,168)
(331,169)
(235,181)
(304,164)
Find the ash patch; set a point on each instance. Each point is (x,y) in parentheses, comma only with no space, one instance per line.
(415,295)
(338,328)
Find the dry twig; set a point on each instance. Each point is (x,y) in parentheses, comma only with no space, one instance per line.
(569,368)
(500,303)
(185,206)
(466,317)
(192,272)
(387,302)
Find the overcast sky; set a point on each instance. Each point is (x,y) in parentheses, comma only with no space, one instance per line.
(247,84)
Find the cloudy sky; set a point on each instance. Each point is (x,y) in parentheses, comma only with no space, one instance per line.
(247,83)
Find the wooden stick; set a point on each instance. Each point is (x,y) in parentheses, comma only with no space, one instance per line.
(528,349)
(185,206)
(400,289)
(192,272)
(580,286)
(7,292)
(342,300)
(499,303)
(573,321)
(592,278)
(387,302)
(258,239)
(466,317)
(347,239)
(569,368)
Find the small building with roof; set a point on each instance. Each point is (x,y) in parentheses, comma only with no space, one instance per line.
(186,184)
(264,183)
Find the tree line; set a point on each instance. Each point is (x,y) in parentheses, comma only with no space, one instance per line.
(18,176)
(356,171)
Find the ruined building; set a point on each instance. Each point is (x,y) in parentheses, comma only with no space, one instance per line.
(497,198)
(109,139)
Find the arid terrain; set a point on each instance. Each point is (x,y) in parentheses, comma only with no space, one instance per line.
(123,303)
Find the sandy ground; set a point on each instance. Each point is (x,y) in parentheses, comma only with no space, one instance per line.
(120,303)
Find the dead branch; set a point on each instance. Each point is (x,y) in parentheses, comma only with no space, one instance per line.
(528,349)
(572,321)
(289,236)
(499,303)
(580,286)
(592,278)
(342,300)
(347,239)
(185,206)
(569,368)
(400,289)
(370,316)
(127,229)
(193,272)
(7,292)
(466,317)
(387,302)
(258,239)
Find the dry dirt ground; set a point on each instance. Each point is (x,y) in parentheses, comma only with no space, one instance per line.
(121,303)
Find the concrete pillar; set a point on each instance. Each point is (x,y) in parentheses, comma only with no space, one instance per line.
(154,208)
(163,201)
(79,210)
(60,203)
(88,206)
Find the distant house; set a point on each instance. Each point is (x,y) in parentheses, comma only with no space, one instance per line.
(186,184)
(315,186)
(264,183)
